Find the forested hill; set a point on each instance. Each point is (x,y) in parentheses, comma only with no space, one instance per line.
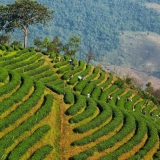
(99,23)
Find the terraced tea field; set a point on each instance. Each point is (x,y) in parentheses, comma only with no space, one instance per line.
(52,108)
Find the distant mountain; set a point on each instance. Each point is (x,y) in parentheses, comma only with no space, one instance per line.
(100,24)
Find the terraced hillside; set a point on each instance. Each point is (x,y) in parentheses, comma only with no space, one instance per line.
(54,108)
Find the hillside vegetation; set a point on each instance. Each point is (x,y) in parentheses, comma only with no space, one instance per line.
(98,23)
(48,112)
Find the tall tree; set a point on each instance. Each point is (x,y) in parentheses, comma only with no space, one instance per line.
(72,47)
(57,45)
(22,14)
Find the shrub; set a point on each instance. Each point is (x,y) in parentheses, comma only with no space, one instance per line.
(68,97)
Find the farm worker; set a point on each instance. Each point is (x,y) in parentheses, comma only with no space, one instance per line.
(118,97)
(79,77)
(129,99)
(70,61)
(101,89)
(110,97)
(59,58)
(88,95)
(133,108)
(71,76)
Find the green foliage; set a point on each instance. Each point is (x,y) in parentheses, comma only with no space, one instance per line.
(15,80)
(55,89)
(16,43)
(16,97)
(68,97)
(42,152)
(101,118)
(34,119)
(30,13)
(24,107)
(89,111)
(80,102)
(4,39)
(28,142)
(3,75)
(72,47)
(119,83)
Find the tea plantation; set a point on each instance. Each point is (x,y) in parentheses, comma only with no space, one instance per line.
(54,107)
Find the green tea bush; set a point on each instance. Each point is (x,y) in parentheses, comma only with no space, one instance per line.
(13,61)
(76,70)
(80,102)
(45,75)
(105,93)
(25,63)
(16,97)
(121,102)
(101,118)
(68,97)
(49,79)
(64,69)
(42,152)
(55,89)
(27,125)
(139,105)
(3,75)
(24,107)
(88,112)
(60,64)
(119,82)
(73,80)
(141,131)
(38,71)
(129,126)
(23,147)
(15,80)
(30,67)
(88,88)
(117,119)
(2,47)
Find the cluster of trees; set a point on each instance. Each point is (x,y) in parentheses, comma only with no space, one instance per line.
(98,23)
(57,46)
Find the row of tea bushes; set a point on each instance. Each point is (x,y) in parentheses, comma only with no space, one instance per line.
(24,107)
(21,64)
(11,137)
(79,104)
(116,120)
(88,112)
(98,120)
(42,152)
(14,82)
(23,146)
(16,97)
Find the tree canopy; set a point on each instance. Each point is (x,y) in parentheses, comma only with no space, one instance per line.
(22,14)
(99,23)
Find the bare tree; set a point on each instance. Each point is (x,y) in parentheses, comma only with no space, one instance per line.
(89,57)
